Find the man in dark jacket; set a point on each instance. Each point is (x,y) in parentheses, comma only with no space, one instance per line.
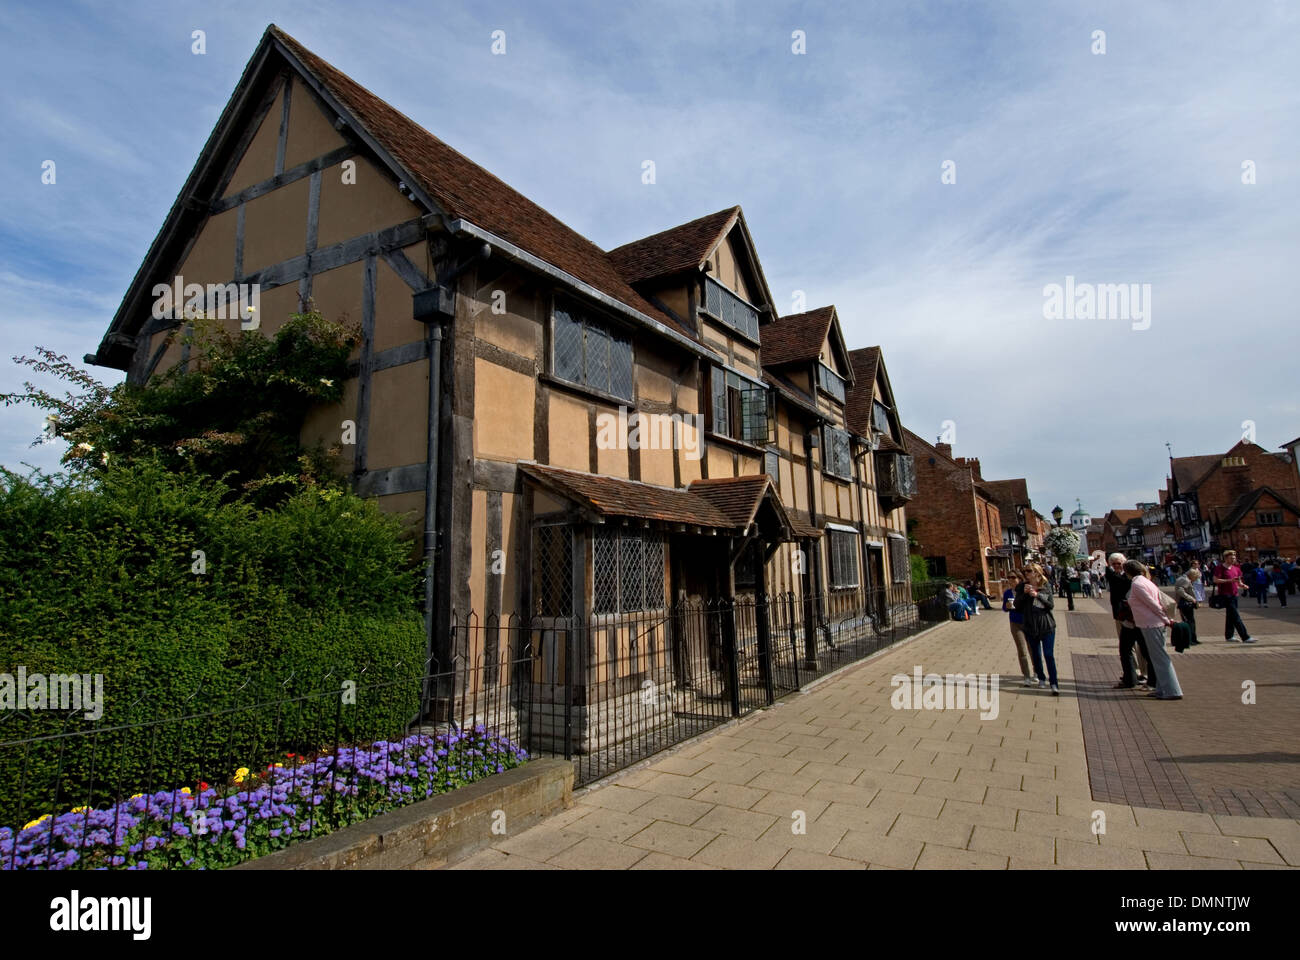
(1117,585)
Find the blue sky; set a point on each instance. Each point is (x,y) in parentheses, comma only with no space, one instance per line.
(1117,168)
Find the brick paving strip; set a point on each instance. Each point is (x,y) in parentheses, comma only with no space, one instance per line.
(1209,753)
(879,788)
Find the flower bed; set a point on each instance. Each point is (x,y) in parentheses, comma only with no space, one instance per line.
(219,827)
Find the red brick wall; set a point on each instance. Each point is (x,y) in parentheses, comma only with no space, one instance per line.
(1249,538)
(1226,485)
(951,521)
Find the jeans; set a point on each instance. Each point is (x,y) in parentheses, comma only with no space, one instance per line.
(1022,648)
(1041,648)
(1281,594)
(1166,678)
(1232,619)
(957,609)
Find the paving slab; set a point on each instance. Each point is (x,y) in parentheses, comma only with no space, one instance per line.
(835,778)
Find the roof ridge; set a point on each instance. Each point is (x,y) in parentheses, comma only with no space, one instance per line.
(409,119)
(464,189)
(681,226)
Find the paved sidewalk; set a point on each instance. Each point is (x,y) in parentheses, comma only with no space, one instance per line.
(879,788)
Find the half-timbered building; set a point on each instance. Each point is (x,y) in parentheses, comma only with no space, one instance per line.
(588,439)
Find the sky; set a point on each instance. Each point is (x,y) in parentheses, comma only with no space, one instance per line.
(1127,166)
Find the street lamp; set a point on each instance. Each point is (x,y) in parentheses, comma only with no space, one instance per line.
(1057,514)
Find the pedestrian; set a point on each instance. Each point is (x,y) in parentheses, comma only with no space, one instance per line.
(956,608)
(1085,580)
(1259,580)
(1280,579)
(1185,596)
(1198,582)
(1035,604)
(1117,585)
(977,593)
(1227,588)
(1017,623)
(968,601)
(1147,603)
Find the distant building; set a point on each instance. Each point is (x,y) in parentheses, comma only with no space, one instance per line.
(1016,511)
(1247,500)
(956,518)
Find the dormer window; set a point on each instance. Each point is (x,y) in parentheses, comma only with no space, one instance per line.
(730,310)
(830,382)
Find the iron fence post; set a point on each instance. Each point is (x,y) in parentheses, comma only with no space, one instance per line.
(729,654)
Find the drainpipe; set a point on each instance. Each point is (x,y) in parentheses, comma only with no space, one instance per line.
(433,337)
(432,307)
(814,567)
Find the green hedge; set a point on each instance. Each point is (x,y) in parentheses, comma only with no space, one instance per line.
(98,578)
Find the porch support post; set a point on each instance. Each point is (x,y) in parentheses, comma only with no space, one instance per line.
(810,580)
(729,639)
(764,632)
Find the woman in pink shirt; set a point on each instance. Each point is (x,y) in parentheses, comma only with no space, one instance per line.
(1148,606)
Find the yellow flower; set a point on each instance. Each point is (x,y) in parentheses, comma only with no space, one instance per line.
(185,790)
(80,809)
(240,774)
(37,822)
(136,796)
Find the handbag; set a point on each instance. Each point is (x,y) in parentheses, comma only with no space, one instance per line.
(1218,601)
(1181,636)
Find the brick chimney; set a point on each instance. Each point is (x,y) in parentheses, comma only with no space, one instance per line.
(944,448)
(973,463)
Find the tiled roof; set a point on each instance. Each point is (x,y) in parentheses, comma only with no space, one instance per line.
(1009,494)
(802,527)
(613,496)
(678,248)
(959,476)
(1124,516)
(729,503)
(857,404)
(795,338)
(1189,471)
(465,190)
(738,498)
(1248,500)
